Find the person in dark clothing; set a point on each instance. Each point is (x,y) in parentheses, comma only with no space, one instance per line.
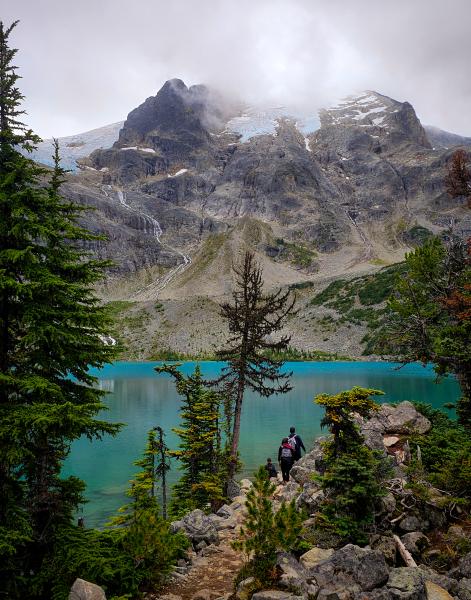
(296,442)
(285,458)
(270,467)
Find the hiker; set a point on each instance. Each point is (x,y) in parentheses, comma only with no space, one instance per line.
(285,458)
(271,471)
(296,442)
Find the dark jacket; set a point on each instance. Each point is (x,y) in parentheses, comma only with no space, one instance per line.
(270,467)
(299,445)
(281,448)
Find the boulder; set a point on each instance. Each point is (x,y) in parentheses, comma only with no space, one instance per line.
(222,523)
(276,595)
(293,576)
(225,511)
(387,504)
(245,588)
(199,528)
(415,542)
(245,485)
(435,592)
(410,523)
(449,584)
(406,583)
(463,589)
(377,594)
(352,567)
(340,593)
(288,492)
(314,556)
(233,489)
(403,418)
(310,498)
(170,597)
(309,464)
(85,590)
(464,566)
(386,545)
(390,440)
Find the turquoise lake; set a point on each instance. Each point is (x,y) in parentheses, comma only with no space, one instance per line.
(143,399)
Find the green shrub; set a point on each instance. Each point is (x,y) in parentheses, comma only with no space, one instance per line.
(265,532)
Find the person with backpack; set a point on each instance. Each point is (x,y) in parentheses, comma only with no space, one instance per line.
(285,458)
(271,471)
(296,442)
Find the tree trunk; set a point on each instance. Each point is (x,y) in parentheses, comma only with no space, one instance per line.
(236,428)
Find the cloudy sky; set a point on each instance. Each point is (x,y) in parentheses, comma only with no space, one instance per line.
(87,63)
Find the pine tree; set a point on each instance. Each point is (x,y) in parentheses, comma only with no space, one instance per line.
(252,318)
(145,534)
(429,317)
(353,472)
(200,443)
(51,331)
(264,531)
(162,466)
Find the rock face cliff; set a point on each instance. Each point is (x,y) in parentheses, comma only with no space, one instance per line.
(191,179)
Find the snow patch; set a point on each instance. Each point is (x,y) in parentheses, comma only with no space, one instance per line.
(180,172)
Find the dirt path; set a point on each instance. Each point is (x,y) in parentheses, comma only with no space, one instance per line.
(210,577)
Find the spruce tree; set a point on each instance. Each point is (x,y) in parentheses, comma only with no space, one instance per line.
(252,317)
(199,450)
(51,332)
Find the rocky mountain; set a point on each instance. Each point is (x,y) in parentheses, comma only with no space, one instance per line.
(192,179)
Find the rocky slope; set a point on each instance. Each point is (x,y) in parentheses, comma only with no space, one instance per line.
(191,181)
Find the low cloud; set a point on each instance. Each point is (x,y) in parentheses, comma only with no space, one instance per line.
(85,64)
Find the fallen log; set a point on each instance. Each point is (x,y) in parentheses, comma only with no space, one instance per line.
(405,554)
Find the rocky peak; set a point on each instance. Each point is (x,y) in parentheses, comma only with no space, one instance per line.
(175,109)
(378,116)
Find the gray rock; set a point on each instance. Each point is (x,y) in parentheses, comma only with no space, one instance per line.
(276,595)
(85,590)
(222,523)
(314,556)
(289,491)
(377,594)
(233,489)
(225,511)
(415,542)
(410,523)
(245,588)
(386,545)
(463,589)
(388,504)
(293,576)
(464,566)
(199,528)
(403,418)
(406,583)
(340,593)
(310,498)
(352,567)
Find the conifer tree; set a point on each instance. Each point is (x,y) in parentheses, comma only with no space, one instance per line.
(429,316)
(162,466)
(252,317)
(51,331)
(352,472)
(264,531)
(200,443)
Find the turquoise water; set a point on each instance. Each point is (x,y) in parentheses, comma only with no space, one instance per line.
(143,399)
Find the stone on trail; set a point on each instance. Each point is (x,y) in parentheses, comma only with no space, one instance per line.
(435,592)
(406,583)
(276,595)
(199,528)
(386,545)
(85,590)
(233,489)
(225,511)
(353,568)
(245,588)
(464,566)
(245,484)
(314,556)
(463,590)
(415,542)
